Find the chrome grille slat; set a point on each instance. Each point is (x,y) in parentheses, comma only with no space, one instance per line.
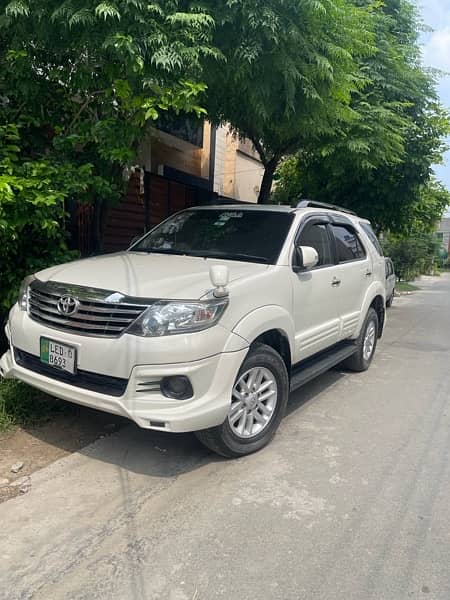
(103,321)
(91,304)
(95,316)
(70,323)
(111,305)
(44,299)
(49,293)
(87,308)
(40,305)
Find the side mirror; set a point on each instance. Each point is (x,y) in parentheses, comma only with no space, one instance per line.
(306,258)
(220,276)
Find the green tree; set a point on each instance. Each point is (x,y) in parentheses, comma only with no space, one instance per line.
(82,77)
(426,211)
(379,164)
(289,73)
(79,80)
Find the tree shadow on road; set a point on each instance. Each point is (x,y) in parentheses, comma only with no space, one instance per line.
(160,454)
(170,454)
(314,389)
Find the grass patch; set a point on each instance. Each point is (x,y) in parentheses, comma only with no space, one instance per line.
(22,405)
(404,286)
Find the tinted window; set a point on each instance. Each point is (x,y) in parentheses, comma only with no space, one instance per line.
(316,236)
(389,268)
(348,245)
(248,235)
(372,237)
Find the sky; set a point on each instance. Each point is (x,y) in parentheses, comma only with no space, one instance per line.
(436,53)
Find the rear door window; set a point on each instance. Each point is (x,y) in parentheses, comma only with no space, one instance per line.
(348,244)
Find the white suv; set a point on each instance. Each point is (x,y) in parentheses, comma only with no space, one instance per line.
(207,322)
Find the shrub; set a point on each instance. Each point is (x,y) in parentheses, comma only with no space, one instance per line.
(414,255)
(32,214)
(23,405)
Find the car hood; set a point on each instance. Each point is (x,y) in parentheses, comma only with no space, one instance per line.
(148,275)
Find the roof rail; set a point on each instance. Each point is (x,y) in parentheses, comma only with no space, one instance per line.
(314,204)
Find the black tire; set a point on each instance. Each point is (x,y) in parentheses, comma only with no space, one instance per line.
(390,300)
(222,439)
(358,361)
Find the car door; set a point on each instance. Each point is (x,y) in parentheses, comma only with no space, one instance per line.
(354,274)
(315,308)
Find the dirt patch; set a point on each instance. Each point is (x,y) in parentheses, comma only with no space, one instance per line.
(36,447)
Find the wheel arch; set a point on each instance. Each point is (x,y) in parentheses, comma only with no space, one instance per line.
(279,341)
(271,325)
(379,305)
(375,298)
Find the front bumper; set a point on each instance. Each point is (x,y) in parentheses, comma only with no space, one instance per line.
(212,380)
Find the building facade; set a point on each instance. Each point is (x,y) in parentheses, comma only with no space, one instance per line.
(209,157)
(443,233)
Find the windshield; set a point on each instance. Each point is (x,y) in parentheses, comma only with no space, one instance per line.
(253,235)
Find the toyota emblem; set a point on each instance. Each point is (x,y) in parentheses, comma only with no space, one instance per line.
(67,306)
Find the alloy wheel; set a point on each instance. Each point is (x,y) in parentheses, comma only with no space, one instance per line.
(253,404)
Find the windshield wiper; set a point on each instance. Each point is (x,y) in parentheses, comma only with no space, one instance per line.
(159,251)
(232,256)
(205,254)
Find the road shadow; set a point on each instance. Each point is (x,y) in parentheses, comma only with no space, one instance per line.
(123,444)
(314,389)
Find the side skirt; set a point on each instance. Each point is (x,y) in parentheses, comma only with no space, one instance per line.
(310,368)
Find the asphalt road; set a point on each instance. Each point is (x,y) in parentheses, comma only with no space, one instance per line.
(350,501)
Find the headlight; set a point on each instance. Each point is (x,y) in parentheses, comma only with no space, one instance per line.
(22,300)
(168,318)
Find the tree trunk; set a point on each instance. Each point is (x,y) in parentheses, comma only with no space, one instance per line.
(266,183)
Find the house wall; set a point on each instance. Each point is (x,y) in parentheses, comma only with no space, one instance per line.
(238,169)
(161,149)
(219,162)
(229,175)
(444,230)
(249,174)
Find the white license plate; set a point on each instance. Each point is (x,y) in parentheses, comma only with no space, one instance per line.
(58,355)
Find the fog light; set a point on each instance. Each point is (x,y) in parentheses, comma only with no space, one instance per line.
(178,387)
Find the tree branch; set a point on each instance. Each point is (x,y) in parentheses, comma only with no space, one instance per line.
(83,108)
(260,151)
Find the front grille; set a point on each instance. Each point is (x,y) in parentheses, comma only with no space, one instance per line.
(102,384)
(99,313)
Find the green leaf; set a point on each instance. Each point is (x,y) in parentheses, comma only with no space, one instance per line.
(107,10)
(17,8)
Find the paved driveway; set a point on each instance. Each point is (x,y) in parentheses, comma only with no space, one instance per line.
(350,501)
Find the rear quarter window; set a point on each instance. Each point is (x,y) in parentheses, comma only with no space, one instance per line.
(367,228)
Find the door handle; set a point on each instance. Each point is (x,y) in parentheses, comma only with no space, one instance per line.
(336,282)
(368,273)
